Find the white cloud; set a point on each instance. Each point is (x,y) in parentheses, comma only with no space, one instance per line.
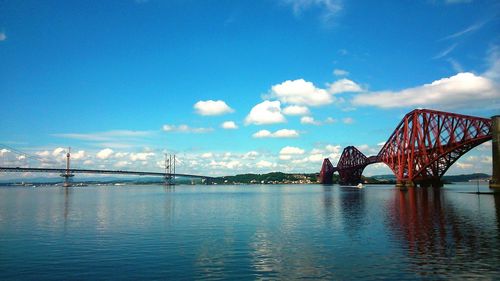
(315,158)
(229,125)
(3,36)
(283,133)
(296,110)
(207,155)
(250,155)
(211,107)
(445,52)
(185,129)
(286,133)
(333,148)
(105,153)
(329,151)
(57,152)
(309,120)
(493,72)
(285,157)
(266,112)
(316,151)
(295,155)
(80,154)
(233,164)
(467,30)
(340,72)
(461,90)
(292,150)
(121,164)
(141,156)
(344,85)
(121,154)
(368,150)
(487,159)
(464,166)
(104,136)
(262,134)
(44,153)
(455,65)
(330,120)
(347,120)
(265,164)
(329,8)
(301,92)
(4,151)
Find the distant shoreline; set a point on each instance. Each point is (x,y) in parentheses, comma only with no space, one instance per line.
(257,179)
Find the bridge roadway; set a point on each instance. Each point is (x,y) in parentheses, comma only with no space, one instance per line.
(89,171)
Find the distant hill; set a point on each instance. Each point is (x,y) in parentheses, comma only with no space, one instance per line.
(466,177)
(384,177)
(452,178)
(269,178)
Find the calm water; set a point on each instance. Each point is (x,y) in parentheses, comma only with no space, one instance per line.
(248,232)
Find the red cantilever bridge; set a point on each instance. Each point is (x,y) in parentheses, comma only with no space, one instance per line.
(420,150)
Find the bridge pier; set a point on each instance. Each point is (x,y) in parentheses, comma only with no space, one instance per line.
(495,132)
(169,180)
(404,184)
(428,182)
(434,182)
(67,175)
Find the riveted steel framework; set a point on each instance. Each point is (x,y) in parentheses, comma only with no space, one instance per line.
(427,142)
(422,147)
(326,173)
(351,164)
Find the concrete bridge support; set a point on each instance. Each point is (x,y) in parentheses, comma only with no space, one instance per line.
(432,181)
(404,184)
(427,182)
(495,131)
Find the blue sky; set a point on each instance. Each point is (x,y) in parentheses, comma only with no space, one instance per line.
(122,82)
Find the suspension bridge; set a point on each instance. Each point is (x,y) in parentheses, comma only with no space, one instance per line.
(169,175)
(421,149)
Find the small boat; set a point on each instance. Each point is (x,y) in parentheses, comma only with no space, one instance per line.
(360,185)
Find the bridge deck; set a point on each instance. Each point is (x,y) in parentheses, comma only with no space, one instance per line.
(89,171)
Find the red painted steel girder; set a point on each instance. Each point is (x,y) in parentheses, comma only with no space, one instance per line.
(351,157)
(351,164)
(427,142)
(326,173)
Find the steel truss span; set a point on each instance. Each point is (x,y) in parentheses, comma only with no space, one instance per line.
(421,149)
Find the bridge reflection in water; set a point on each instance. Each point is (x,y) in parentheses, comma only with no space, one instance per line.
(265,231)
(436,226)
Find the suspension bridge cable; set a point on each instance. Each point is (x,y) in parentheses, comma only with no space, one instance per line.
(27,155)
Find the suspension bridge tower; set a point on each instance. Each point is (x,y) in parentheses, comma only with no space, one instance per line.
(169,169)
(67,175)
